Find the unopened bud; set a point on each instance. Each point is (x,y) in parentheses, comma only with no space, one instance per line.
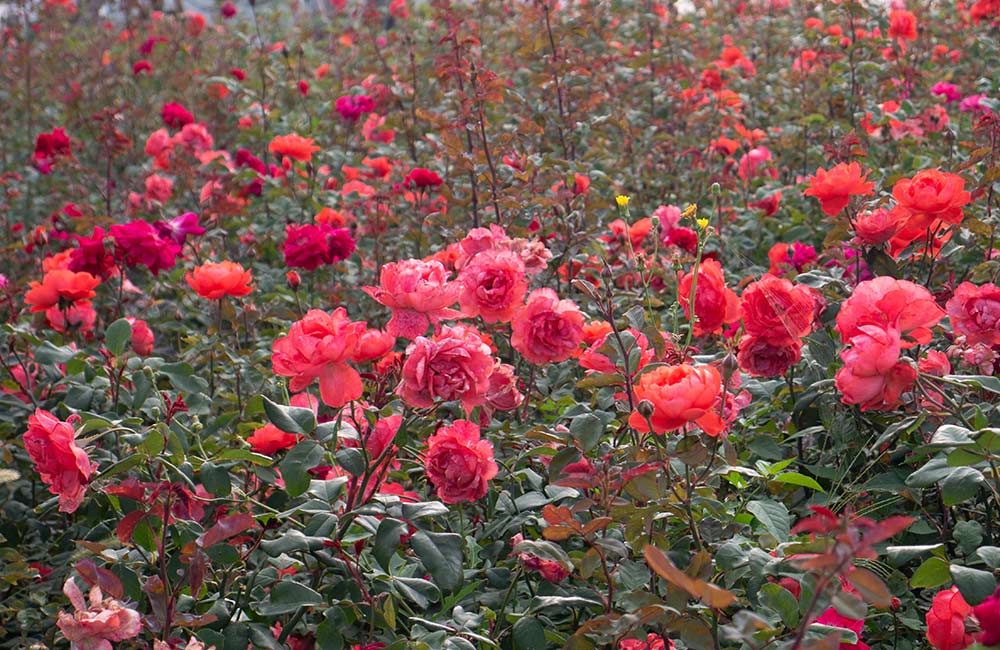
(716,189)
(294,280)
(645,408)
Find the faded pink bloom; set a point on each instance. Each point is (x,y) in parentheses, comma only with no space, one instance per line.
(159,188)
(503,395)
(890,303)
(63,466)
(754,163)
(975,312)
(96,626)
(455,364)
(547,329)
(418,293)
(493,286)
(319,347)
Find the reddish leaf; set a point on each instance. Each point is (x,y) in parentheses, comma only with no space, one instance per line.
(225,528)
(95,575)
(128,523)
(870,586)
(712,595)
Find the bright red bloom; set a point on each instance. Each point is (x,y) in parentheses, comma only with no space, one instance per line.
(929,197)
(49,146)
(312,245)
(459,463)
(835,188)
(890,303)
(652,642)
(988,615)
(175,115)
(902,25)
(269,440)
(874,227)
(92,256)
(319,347)
(213,281)
(293,146)
(975,312)
(547,329)
(142,337)
(680,395)
(352,107)
(775,309)
(60,285)
(946,621)
(422,178)
(834,618)
(455,364)
(62,465)
(715,305)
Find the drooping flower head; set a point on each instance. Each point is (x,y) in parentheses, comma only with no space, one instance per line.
(63,466)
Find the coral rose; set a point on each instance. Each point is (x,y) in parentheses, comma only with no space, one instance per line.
(63,466)
(418,293)
(293,146)
(680,395)
(60,286)
(874,227)
(890,303)
(715,305)
(946,620)
(455,364)
(929,196)
(319,347)
(873,377)
(547,329)
(902,25)
(835,188)
(459,463)
(142,336)
(975,312)
(269,440)
(213,281)
(493,286)
(96,626)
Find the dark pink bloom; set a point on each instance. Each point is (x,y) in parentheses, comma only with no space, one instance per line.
(352,107)
(138,242)
(62,465)
(418,293)
(459,463)
(175,115)
(453,365)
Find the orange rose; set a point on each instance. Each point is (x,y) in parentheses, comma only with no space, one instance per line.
(928,196)
(680,395)
(213,281)
(60,285)
(834,188)
(294,146)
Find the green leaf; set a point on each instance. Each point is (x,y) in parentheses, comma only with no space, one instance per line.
(387,540)
(117,336)
(441,554)
(286,597)
(215,478)
(352,460)
(418,590)
(296,464)
(528,634)
(794,478)
(290,419)
(932,573)
(782,601)
(990,555)
(950,435)
(933,471)
(900,555)
(774,516)
(586,429)
(960,485)
(846,636)
(976,585)
(247,455)
(984,382)
(181,375)
(46,353)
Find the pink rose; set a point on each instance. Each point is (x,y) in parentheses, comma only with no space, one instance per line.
(547,329)
(319,346)
(62,465)
(874,227)
(493,286)
(502,394)
(765,357)
(374,344)
(95,627)
(890,303)
(455,364)
(142,337)
(873,376)
(975,312)
(459,463)
(418,293)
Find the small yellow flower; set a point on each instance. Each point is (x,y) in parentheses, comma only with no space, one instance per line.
(622,200)
(702,223)
(690,211)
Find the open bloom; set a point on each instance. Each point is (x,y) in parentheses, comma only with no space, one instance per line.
(455,364)
(774,308)
(96,626)
(269,440)
(930,196)
(890,303)
(946,621)
(680,395)
(60,285)
(493,285)
(547,329)
(319,347)
(763,357)
(62,465)
(212,281)
(835,188)
(975,312)
(293,146)
(874,227)
(418,293)
(459,463)
(139,242)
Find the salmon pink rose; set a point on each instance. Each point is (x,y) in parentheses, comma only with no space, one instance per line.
(96,626)
(975,312)
(319,347)
(493,286)
(418,293)
(547,329)
(873,377)
(890,303)
(946,621)
(63,466)
(455,364)
(776,309)
(929,196)
(835,188)
(459,463)
(715,304)
(214,281)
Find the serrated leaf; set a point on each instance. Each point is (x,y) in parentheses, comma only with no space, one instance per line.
(441,554)
(773,516)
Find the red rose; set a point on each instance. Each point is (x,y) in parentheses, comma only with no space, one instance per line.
(459,463)
(63,465)
(946,621)
(776,309)
(714,304)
